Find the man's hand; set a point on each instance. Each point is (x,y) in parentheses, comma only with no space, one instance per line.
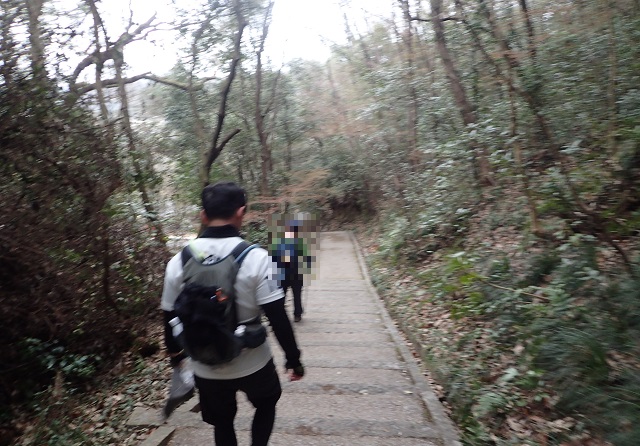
(297,373)
(297,370)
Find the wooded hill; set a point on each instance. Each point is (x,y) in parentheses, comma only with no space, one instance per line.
(492,148)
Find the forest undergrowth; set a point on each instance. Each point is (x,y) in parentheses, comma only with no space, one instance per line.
(528,342)
(506,326)
(97,414)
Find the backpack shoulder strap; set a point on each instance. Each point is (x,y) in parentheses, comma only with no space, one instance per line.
(186,254)
(240,252)
(190,251)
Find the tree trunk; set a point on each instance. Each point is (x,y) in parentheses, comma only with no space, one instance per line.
(531,36)
(412,109)
(9,13)
(198,122)
(532,96)
(260,114)
(216,145)
(288,159)
(520,167)
(613,72)
(104,113)
(459,93)
(338,105)
(138,171)
(102,103)
(265,151)
(37,46)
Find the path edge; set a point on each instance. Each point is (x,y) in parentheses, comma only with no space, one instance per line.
(443,423)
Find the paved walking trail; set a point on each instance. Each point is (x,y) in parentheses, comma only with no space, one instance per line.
(362,387)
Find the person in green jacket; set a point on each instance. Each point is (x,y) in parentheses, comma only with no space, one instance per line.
(290,253)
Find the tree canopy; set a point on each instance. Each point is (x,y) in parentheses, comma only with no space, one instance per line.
(492,147)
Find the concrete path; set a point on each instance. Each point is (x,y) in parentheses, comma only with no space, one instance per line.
(362,387)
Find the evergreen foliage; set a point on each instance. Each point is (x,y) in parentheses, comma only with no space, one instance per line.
(557,289)
(72,265)
(494,150)
(78,268)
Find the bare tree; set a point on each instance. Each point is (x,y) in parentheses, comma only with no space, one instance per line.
(115,53)
(533,98)
(198,122)
(10,13)
(412,110)
(218,145)
(458,90)
(103,54)
(508,78)
(37,45)
(261,112)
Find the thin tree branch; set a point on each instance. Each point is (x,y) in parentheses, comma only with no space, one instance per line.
(228,138)
(84,88)
(500,287)
(114,51)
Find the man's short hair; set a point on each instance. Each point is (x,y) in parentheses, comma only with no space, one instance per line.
(222,200)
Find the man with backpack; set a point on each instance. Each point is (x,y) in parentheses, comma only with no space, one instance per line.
(215,292)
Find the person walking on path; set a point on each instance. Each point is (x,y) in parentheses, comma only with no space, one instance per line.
(291,254)
(253,371)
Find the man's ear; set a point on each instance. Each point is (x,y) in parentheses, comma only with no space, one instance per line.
(241,211)
(203,218)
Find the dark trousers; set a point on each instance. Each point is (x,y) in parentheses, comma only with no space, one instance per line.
(295,284)
(219,406)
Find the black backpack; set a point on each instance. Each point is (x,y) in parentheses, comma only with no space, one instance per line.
(206,307)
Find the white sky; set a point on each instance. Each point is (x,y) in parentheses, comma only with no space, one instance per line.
(306,28)
(300,29)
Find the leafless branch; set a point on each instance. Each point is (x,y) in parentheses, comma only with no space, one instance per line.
(215,149)
(82,89)
(113,52)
